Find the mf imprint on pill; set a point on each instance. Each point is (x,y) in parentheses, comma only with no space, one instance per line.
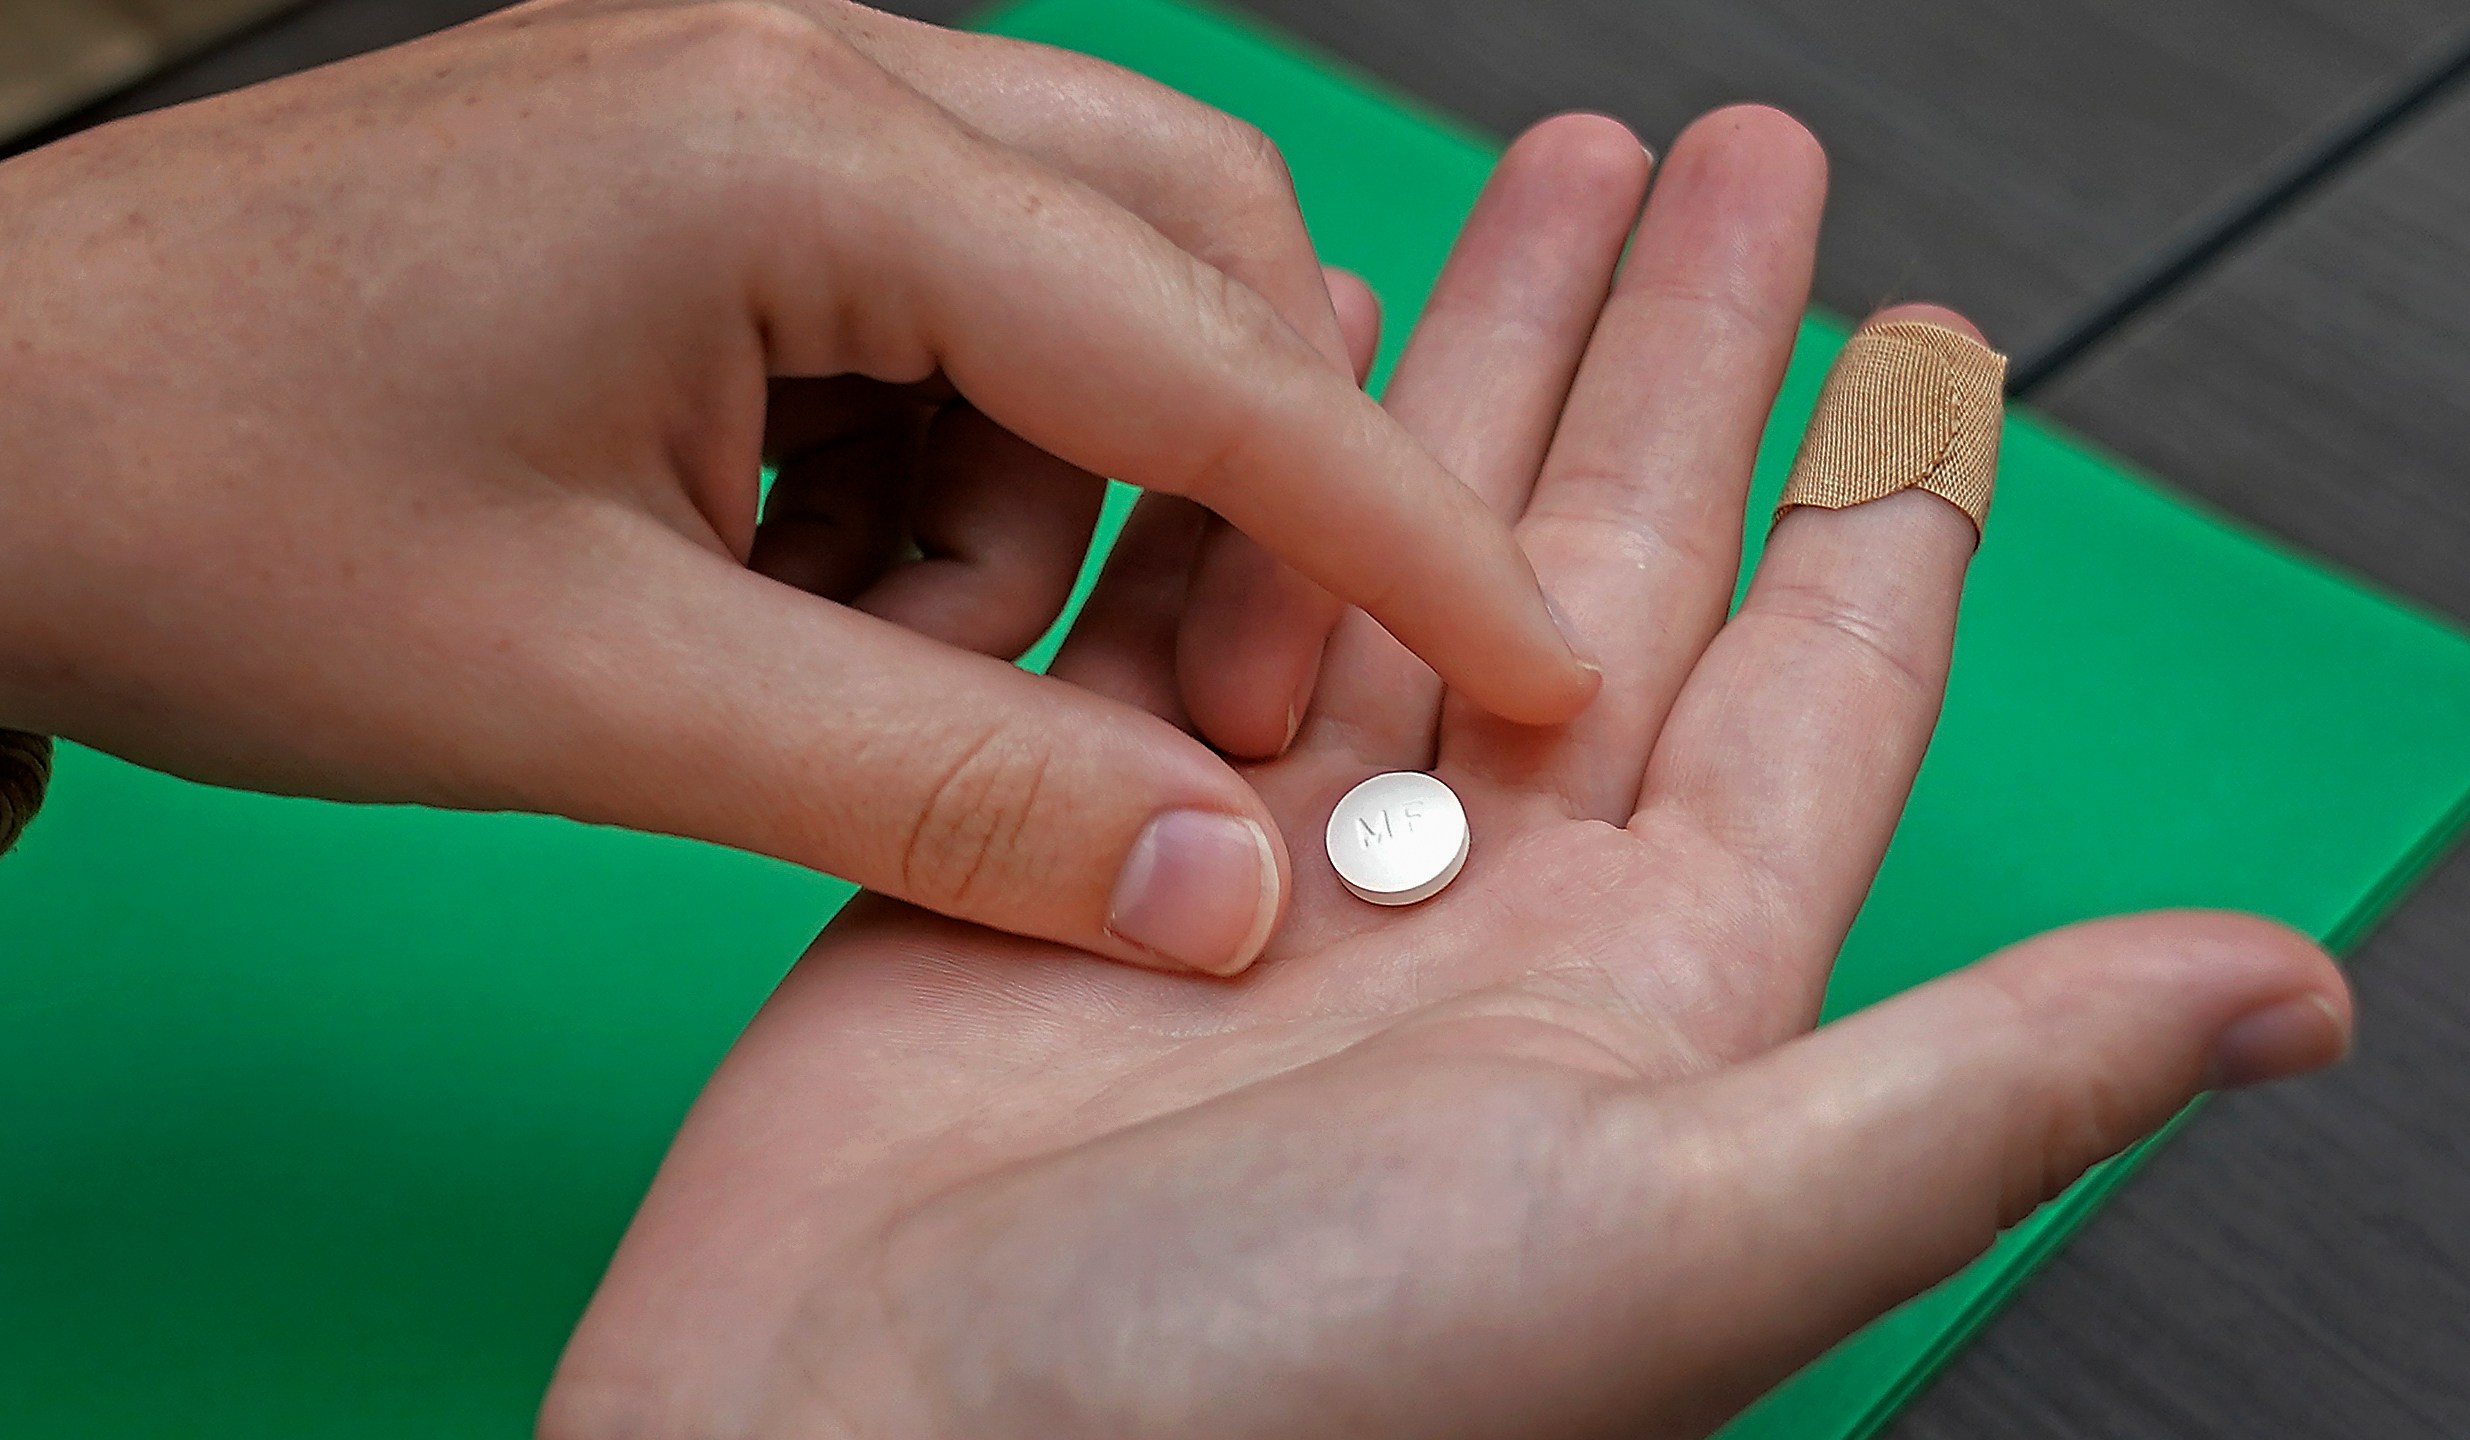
(1398,838)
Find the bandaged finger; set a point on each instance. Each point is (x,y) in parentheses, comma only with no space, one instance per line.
(1908,406)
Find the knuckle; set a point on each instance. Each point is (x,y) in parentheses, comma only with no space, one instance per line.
(1254,163)
(1594,513)
(2077,1128)
(2059,1119)
(733,50)
(1728,310)
(1246,327)
(973,830)
(753,102)
(1256,348)
(1241,317)
(1865,639)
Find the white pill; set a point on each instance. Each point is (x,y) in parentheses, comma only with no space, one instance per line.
(1398,838)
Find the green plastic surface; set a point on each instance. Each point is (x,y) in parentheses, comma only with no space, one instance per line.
(319,1121)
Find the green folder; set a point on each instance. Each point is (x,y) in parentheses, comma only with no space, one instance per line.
(320,1121)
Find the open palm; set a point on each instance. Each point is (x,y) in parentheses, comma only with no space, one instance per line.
(1553,1153)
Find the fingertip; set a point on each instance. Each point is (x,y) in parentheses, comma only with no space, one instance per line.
(1201,890)
(1749,160)
(1562,188)
(1923,313)
(2293,1013)
(1586,145)
(1278,870)
(1248,721)
(1554,697)
(1560,693)
(1350,291)
(2289,1038)
(1248,652)
(1584,680)
(1359,316)
(2267,999)
(1549,684)
(1755,129)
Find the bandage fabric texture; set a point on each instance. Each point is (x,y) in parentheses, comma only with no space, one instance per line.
(1909,405)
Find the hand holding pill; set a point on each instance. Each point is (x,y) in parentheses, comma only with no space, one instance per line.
(455,500)
(1553,1150)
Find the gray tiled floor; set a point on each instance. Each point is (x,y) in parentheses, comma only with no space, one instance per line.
(2009,159)
(2317,380)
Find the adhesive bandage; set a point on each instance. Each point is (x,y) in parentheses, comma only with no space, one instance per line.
(1908,406)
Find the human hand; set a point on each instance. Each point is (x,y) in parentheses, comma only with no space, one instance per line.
(1552,1154)
(393,433)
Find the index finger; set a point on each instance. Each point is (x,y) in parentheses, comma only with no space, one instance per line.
(1218,189)
(1075,325)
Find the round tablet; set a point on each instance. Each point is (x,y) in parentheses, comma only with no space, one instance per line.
(1398,838)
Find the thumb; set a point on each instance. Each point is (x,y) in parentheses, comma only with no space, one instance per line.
(706,701)
(1861,1164)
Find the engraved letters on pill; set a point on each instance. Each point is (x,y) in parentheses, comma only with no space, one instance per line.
(1398,838)
(1385,825)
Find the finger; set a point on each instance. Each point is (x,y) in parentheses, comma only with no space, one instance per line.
(1093,338)
(680,693)
(1123,644)
(836,519)
(1359,319)
(1855,1167)
(1001,527)
(1126,641)
(1218,188)
(1253,630)
(1793,745)
(1482,382)
(801,415)
(1635,522)
(1211,183)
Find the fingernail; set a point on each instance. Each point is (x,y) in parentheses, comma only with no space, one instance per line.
(1200,891)
(1569,637)
(2289,1037)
